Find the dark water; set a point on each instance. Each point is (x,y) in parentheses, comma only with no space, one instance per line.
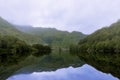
(64,66)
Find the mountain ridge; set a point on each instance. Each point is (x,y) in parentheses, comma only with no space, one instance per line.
(52,36)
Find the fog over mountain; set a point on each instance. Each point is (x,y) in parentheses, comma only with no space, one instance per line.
(80,15)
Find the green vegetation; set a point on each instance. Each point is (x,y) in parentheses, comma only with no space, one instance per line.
(15,44)
(11,49)
(45,36)
(41,49)
(8,29)
(53,37)
(104,40)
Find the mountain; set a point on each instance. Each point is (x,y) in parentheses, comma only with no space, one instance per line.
(7,28)
(32,35)
(106,39)
(53,36)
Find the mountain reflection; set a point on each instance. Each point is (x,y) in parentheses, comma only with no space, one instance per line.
(86,72)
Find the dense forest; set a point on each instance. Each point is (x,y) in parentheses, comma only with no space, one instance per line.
(52,36)
(105,40)
(11,49)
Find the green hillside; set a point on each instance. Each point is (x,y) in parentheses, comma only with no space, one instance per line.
(106,39)
(8,29)
(53,36)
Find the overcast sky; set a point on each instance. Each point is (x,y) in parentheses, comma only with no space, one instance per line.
(80,15)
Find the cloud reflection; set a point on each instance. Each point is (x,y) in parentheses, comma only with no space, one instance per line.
(86,72)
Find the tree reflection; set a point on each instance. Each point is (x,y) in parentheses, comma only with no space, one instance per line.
(104,62)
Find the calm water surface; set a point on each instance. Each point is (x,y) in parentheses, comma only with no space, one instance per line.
(64,67)
(85,72)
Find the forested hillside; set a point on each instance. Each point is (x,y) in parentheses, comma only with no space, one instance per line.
(106,39)
(8,29)
(53,36)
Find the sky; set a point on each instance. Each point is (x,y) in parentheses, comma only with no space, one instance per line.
(72,15)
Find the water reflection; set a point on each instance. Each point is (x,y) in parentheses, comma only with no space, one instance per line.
(103,62)
(37,64)
(86,72)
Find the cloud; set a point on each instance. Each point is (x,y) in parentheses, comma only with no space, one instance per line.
(82,15)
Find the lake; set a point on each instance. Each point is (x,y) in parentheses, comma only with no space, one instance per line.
(64,66)
(86,72)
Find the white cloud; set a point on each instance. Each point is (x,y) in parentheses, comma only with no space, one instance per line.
(78,15)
